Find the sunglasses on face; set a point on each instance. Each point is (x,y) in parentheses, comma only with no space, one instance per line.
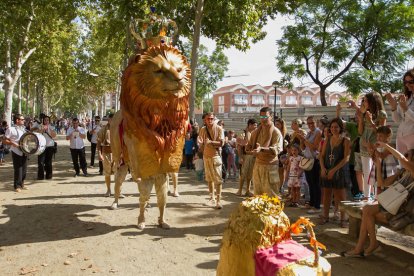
(209,118)
(263,117)
(409,82)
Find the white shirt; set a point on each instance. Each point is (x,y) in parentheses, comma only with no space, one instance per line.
(39,128)
(96,128)
(199,164)
(49,141)
(14,133)
(76,142)
(406,119)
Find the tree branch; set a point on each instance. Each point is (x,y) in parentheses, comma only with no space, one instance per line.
(354,58)
(315,80)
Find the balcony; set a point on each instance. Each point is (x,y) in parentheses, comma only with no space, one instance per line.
(240,102)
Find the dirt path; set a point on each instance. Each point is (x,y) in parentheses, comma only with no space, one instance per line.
(65,227)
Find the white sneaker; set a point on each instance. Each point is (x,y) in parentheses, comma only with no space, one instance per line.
(314,211)
(219,206)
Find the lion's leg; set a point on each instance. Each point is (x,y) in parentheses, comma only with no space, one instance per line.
(144,187)
(119,179)
(161,189)
(174,177)
(108,185)
(168,184)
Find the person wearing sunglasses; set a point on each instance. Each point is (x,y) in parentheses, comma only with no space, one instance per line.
(403,113)
(12,137)
(266,143)
(210,141)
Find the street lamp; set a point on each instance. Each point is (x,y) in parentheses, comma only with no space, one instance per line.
(275,84)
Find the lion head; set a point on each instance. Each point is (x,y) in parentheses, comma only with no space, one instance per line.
(154,96)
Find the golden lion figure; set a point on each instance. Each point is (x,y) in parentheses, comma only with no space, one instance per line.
(147,134)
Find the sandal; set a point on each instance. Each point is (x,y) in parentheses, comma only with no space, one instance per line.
(347,254)
(323,220)
(373,252)
(248,194)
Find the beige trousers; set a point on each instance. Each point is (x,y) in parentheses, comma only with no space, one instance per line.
(266,179)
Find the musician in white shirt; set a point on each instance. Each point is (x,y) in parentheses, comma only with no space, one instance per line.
(76,134)
(12,137)
(44,160)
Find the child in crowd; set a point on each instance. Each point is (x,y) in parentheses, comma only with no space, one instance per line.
(388,162)
(294,174)
(285,159)
(231,154)
(199,166)
(189,151)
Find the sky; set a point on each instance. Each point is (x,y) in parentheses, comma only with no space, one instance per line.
(259,62)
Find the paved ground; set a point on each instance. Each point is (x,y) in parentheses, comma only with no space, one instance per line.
(64,227)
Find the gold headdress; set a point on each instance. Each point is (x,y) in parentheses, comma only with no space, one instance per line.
(153,31)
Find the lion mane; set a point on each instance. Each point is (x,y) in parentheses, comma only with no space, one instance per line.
(154,97)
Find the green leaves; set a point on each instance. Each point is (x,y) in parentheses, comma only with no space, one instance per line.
(345,39)
(210,70)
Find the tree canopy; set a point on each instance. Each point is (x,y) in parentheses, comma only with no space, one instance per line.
(363,44)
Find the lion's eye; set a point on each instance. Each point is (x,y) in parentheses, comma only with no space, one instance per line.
(179,70)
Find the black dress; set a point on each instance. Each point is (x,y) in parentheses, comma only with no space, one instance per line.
(331,159)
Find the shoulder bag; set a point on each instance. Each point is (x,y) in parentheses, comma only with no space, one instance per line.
(393,197)
(306,164)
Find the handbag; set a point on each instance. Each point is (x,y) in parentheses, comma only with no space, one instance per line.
(89,136)
(306,164)
(393,197)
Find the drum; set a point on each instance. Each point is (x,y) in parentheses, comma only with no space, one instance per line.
(32,143)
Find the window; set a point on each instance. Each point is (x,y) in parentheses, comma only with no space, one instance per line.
(272,100)
(221,109)
(240,99)
(221,99)
(307,100)
(291,100)
(258,99)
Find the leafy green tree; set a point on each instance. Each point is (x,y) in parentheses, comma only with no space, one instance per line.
(229,23)
(210,70)
(334,40)
(24,29)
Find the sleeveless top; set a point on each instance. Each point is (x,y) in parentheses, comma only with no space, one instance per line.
(333,156)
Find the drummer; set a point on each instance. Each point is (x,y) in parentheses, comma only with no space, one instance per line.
(12,137)
(44,160)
